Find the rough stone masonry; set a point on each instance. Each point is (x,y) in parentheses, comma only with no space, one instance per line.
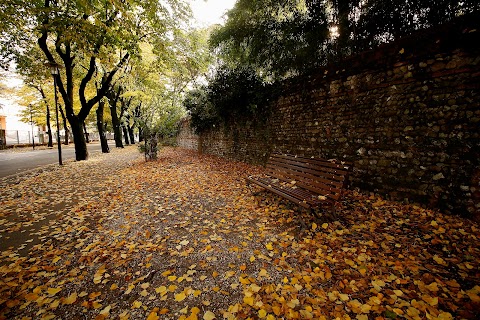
(407,114)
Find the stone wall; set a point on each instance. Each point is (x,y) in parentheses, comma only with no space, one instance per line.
(407,114)
(186,137)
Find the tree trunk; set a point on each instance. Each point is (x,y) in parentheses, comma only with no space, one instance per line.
(65,125)
(125,135)
(117,134)
(131,134)
(81,152)
(85,132)
(49,128)
(101,127)
(151,147)
(140,134)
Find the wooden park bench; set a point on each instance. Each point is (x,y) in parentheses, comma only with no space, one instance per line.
(308,182)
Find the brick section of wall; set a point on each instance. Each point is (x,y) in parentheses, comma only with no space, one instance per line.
(407,114)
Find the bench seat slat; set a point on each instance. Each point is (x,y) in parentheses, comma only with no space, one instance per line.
(295,195)
(307,176)
(323,162)
(316,169)
(301,193)
(319,188)
(308,182)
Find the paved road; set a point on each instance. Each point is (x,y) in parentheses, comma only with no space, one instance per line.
(12,162)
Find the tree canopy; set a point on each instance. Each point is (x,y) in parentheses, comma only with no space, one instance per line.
(288,37)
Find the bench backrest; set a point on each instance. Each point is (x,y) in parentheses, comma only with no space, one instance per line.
(325,177)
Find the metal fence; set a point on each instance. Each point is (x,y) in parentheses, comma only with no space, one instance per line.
(19,137)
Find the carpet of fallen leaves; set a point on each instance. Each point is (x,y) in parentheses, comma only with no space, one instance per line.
(184,238)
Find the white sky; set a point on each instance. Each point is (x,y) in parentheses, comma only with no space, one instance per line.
(208,12)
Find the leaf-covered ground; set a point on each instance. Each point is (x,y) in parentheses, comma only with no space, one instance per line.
(183,238)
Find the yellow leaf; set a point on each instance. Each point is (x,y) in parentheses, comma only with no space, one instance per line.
(164,311)
(31,297)
(180,296)
(365,308)
(56,259)
(277,310)
(166,273)
(209,315)
(153,316)
(254,287)
(398,293)
(401,51)
(244,280)
(195,310)
(130,288)
(263,273)
(293,303)
(473,296)
(249,300)
(172,278)
(355,305)
(12,303)
(269,246)
(113,286)
(106,311)
(161,289)
(314,226)
(252,258)
(325,225)
(432,301)
(55,304)
(351,263)
(137,304)
(145,285)
(53,291)
(344,297)
(262,313)
(123,316)
(92,295)
(70,299)
(439,260)
(229,274)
